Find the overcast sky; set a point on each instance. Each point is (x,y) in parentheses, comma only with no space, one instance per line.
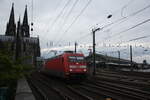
(60,22)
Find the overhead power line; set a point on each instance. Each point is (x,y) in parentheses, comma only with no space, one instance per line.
(125,6)
(117,34)
(58,16)
(133,14)
(78,16)
(142,37)
(48,22)
(67,16)
(134,39)
(121,19)
(75,20)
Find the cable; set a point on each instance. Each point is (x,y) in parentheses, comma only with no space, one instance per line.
(126,17)
(134,39)
(70,12)
(134,27)
(125,7)
(118,10)
(47,23)
(67,16)
(55,20)
(75,19)
(130,28)
(140,38)
(133,14)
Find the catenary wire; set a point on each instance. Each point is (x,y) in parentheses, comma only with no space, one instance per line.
(122,19)
(67,16)
(74,20)
(58,16)
(128,16)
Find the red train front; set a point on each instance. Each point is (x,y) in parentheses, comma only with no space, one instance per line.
(66,65)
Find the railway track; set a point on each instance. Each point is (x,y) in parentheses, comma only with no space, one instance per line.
(129,80)
(87,95)
(116,89)
(140,75)
(47,93)
(65,88)
(132,81)
(96,95)
(52,88)
(119,76)
(38,93)
(53,91)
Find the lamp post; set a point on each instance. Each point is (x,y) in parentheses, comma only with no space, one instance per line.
(93,31)
(119,57)
(94,64)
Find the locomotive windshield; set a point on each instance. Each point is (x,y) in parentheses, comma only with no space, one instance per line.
(76,59)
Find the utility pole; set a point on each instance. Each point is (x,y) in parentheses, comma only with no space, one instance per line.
(75,47)
(119,57)
(131,57)
(94,64)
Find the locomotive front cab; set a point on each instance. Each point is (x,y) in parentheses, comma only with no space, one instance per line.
(77,65)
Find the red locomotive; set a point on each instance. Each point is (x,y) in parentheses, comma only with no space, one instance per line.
(66,65)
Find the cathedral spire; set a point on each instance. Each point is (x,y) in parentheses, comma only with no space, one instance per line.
(12,15)
(25,26)
(25,19)
(11,26)
(18,28)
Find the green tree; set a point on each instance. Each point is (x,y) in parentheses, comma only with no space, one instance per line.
(11,70)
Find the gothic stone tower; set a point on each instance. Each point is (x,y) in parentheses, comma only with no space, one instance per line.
(22,44)
(11,26)
(25,26)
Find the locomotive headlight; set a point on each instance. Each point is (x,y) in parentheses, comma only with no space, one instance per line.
(70,70)
(84,70)
(83,66)
(72,66)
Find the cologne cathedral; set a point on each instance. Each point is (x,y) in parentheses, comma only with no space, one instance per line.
(17,39)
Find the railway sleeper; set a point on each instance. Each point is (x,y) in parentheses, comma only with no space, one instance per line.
(98,92)
(79,93)
(64,96)
(117,91)
(147,94)
(38,89)
(59,92)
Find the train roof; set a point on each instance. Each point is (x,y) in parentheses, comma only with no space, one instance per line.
(67,54)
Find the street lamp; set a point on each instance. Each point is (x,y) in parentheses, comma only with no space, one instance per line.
(93,31)
(94,65)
